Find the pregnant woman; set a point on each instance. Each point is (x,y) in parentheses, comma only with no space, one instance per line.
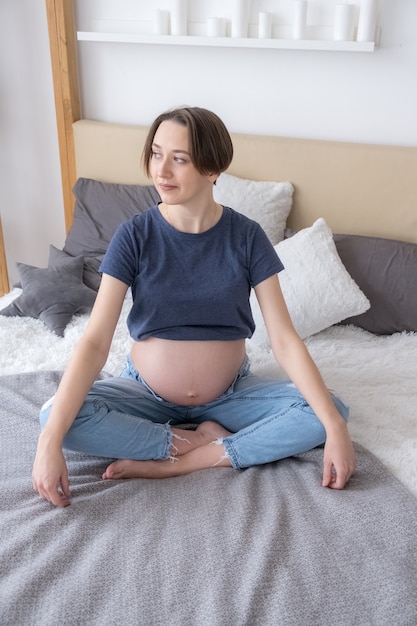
(191,264)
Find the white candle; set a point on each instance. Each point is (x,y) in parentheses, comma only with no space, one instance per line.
(343,22)
(178,17)
(300,19)
(265,25)
(240,18)
(368,15)
(216,27)
(160,22)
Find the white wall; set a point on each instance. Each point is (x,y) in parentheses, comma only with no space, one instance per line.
(369,97)
(31,198)
(366,97)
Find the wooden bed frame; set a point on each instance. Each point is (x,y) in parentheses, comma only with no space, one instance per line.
(358,188)
(4,280)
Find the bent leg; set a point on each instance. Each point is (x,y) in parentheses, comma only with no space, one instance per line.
(285,433)
(270,420)
(204,457)
(119,419)
(122,419)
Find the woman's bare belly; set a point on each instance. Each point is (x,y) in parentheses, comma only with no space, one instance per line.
(188,372)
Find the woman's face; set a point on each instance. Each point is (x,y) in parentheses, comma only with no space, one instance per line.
(173,173)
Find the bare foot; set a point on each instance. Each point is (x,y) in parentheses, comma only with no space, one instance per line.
(201,454)
(208,432)
(184,441)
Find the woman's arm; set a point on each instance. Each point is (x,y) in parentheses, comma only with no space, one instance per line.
(291,352)
(50,475)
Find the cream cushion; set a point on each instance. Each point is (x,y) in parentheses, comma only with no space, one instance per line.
(317,288)
(267,203)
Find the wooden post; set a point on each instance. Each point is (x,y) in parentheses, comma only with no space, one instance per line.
(4,278)
(62,40)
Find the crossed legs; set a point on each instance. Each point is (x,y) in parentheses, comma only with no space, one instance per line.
(190,451)
(259,421)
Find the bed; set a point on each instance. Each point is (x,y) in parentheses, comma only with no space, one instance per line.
(265,546)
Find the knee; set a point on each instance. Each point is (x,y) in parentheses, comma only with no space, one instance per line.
(45,411)
(341,407)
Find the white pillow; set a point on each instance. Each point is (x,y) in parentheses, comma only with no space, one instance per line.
(267,203)
(317,288)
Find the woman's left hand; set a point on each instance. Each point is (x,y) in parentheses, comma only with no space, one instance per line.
(339,457)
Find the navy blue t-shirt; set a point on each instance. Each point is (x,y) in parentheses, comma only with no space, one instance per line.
(190,286)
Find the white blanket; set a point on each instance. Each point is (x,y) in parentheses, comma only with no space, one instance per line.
(376,376)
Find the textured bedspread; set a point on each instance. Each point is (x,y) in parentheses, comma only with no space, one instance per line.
(267,546)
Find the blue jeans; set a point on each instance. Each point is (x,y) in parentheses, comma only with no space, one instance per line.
(124,418)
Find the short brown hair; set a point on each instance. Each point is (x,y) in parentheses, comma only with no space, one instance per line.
(211,148)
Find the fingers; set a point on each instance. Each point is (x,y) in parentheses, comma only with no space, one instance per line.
(58,495)
(327,474)
(339,461)
(335,479)
(60,498)
(50,476)
(65,486)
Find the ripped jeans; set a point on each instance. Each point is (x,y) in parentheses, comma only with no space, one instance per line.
(123,418)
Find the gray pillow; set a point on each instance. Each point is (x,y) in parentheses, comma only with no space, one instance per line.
(386,272)
(99,209)
(91,264)
(52,294)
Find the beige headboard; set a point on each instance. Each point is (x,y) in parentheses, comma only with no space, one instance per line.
(358,188)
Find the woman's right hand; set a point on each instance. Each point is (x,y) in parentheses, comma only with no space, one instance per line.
(50,474)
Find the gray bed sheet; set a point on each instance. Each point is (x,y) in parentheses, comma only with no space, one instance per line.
(267,546)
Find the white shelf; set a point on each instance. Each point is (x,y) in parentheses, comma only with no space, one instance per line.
(229,42)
